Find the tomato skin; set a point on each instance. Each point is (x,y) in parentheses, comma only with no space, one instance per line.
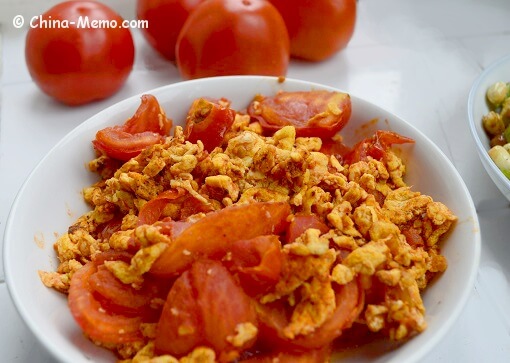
(149,116)
(146,127)
(209,122)
(257,261)
(273,319)
(152,210)
(375,146)
(165,19)
(78,65)
(301,222)
(96,323)
(243,37)
(204,306)
(122,145)
(318,28)
(313,114)
(213,235)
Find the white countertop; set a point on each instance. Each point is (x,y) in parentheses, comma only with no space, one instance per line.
(415,58)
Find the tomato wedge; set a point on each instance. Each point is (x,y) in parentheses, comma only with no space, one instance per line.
(314,113)
(258,262)
(301,222)
(308,356)
(208,121)
(148,126)
(98,324)
(151,211)
(121,145)
(349,304)
(204,307)
(149,116)
(213,235)
(375,146)
(120,298)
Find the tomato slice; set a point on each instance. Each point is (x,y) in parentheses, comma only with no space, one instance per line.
(151,211)
(98,324)
(314,113)
(335,148)
(204,307)
(274,318)
(148,126)
(375,146)
(148,117)
(123,299)
(179,327)
(320,355)
(121,145)
(213,235)
(301,222)
(208,121)
(258,262)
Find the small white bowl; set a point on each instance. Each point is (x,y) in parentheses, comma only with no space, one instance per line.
(477,108)
(50,201)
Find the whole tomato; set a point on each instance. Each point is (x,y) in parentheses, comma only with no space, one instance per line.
(317,28)
(78,52)
(166,18)
(233,37)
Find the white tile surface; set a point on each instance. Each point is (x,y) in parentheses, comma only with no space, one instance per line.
(415,58)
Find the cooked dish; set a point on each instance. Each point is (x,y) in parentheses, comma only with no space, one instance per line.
(248,235)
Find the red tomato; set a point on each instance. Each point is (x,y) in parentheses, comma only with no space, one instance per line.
(273,318)
(79,63)
(242,37)
(375,146)
(301,222)
(309,356)
(96,323)
(120,298)
(165,19)
(335,148)
(208,122)
(204,307)
(213,235)
(121,145)
(317,28)
(147,127)
(313,113)
(149,116)
(152,210)
(258,262)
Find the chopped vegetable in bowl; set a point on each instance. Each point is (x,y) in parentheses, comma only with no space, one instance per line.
(496,124)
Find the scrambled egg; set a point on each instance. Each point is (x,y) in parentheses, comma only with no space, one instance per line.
(365,241)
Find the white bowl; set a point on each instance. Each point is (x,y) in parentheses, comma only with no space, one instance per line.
(477,108)
(50,201)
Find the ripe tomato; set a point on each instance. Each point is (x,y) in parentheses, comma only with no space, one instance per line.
(96,323)
(241,37)
(80,63)
(375,146)
(317,28)
(165,18)
(208,122)
(147,127)
(313,113)
(204,307)
(274,318)
(301,222)
(213,235)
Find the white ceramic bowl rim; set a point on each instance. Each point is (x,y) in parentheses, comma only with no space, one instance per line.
(418,352)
